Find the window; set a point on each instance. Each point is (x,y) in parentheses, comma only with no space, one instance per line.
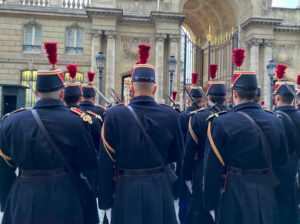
(74,41)
(29,76)
(32,38)
(79,77)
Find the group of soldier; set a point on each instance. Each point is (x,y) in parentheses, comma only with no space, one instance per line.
(237,165)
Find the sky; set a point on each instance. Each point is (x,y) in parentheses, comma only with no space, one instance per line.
(285,3)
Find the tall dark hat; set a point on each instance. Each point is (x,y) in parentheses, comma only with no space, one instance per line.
(258,91)
(280,87)
(88,88)
(143,72)
(215,87)
(73,88)
(50,79)
(244,80)
(194,88)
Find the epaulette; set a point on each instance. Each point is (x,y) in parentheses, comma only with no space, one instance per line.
(15,111)
(196,111)
(165,105)
(216,114)
(102,107)
(271,112)
(178,109)
(96,115)
(119,104)
(82,115)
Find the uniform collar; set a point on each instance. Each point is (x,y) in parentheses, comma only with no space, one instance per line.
(247,105)
(222,107)
(76,106)
(286,108)
(87,103)
(191,108)
(49,103)
(142,99)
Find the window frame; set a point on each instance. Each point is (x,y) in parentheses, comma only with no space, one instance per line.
(32,39)
(32,80)
(75,41)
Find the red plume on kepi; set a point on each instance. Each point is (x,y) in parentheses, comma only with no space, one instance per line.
(298,80)
(51,50)
(280,71)
(238,57)
(174,93)
(72,70)
(91,76)
(262,103)
(213,71)
(144,53)
(195,78)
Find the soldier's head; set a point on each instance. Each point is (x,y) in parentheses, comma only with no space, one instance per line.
(72,100)
(199,101)
(58,94)
(143,88)
(258,95)
(216,91)
(217,99)
(281,100)
(90,98)
(88,89)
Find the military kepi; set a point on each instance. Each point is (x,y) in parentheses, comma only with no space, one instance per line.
(215,87)
(73,88)
(244,80)
(258,91)
(50,79)
(143,72)
(88,88)
(194,88)
(280,87)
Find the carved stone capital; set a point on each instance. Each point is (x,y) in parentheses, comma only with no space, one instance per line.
(96,33)
(254,42)
(160,37)
(110,34)
(269,42)
(175,37)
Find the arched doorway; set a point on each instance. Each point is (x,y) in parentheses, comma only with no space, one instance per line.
(126,82)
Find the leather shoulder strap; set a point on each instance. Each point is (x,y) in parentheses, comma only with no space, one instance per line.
(262,134)
(54,146)
(147,135)
(291,121)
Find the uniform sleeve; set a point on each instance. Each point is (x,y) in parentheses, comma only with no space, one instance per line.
(106,183)
(7,171)
(86,155)
(213,168)
(191,145)
(282,155)
(177,146)
(96,133)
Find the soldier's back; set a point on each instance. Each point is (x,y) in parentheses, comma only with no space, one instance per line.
(87,105)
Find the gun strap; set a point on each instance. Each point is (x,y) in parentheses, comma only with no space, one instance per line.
(213,144)
(291,121)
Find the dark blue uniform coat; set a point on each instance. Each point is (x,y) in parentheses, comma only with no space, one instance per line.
(247,199)
(193,169)
(146,199)
(286,173)
(52,199)
(87,105)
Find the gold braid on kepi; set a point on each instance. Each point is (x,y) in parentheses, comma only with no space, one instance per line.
(213,144)
(6,159)
(107,146)
(192,132)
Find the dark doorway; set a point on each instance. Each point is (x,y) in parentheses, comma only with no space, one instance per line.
(10,104)
(126,82)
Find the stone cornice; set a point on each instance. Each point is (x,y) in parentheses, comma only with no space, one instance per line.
(260,21)
(285,28)
(160,37)
(254,42)
(159,15)
(43,61)
(108,12)
(110,33)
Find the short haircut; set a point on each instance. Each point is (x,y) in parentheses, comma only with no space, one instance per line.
(88,98)
(143,87)
(50,95)
(71,100)
(198,100)
(246,95)
(287,99)
(218,99)
(257,99)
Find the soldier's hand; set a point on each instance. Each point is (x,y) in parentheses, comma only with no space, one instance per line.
(189,185)
(108,215)
(212,213)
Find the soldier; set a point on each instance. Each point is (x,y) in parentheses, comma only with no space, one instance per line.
(242,145)
(286,173)
(45,192)
(194,151)
(89,96)
(258,95)
(143,193)
(72,98)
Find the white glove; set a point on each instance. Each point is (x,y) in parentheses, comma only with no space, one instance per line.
(189,185)
(108,215)
(212,213)
(299,206)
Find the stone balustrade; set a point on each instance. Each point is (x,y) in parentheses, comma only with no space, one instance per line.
(70,4)
(2,2)
(75,4)
(34,2)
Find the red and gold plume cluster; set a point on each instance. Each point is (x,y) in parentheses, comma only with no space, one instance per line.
(298,81)
(51,50)
(213,71)
(280,71)
(262,103)
(238,57)
(72,70)
(91,76)
(195,78)
(174,93)
(144,53)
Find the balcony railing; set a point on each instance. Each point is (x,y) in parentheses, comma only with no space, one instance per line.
(71,4)
(75,4)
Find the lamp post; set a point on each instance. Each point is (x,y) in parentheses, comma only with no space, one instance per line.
(171,67)
(100,61)
(271,72)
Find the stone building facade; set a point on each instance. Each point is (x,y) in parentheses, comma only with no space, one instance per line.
(83,28)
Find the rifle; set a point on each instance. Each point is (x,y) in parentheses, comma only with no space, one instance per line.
(30,86)
(213,106)
(194,103)
(294,94)
(100,94)
(112,95)
(119,100)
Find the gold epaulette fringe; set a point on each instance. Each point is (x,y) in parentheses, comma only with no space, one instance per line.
(15,111)
(6,159)
(107,146)
(95,115)
(213,144)
(192,132)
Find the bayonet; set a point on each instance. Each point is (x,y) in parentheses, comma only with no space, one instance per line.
(171,99)
(213,106)
(119,100)
(294,94)
(30,86)
(101,95)
(194,103)
(113,96)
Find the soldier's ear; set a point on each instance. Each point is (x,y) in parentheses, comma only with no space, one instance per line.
(36,93)
(154,90)
(61,95)
(80,99)
(132,89)
(94,98)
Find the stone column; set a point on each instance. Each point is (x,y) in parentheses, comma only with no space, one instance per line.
(174,39)
(159,66)
(268,43)
(110,61)
(254,43)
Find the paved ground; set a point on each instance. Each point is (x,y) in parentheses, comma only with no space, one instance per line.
(101,213)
